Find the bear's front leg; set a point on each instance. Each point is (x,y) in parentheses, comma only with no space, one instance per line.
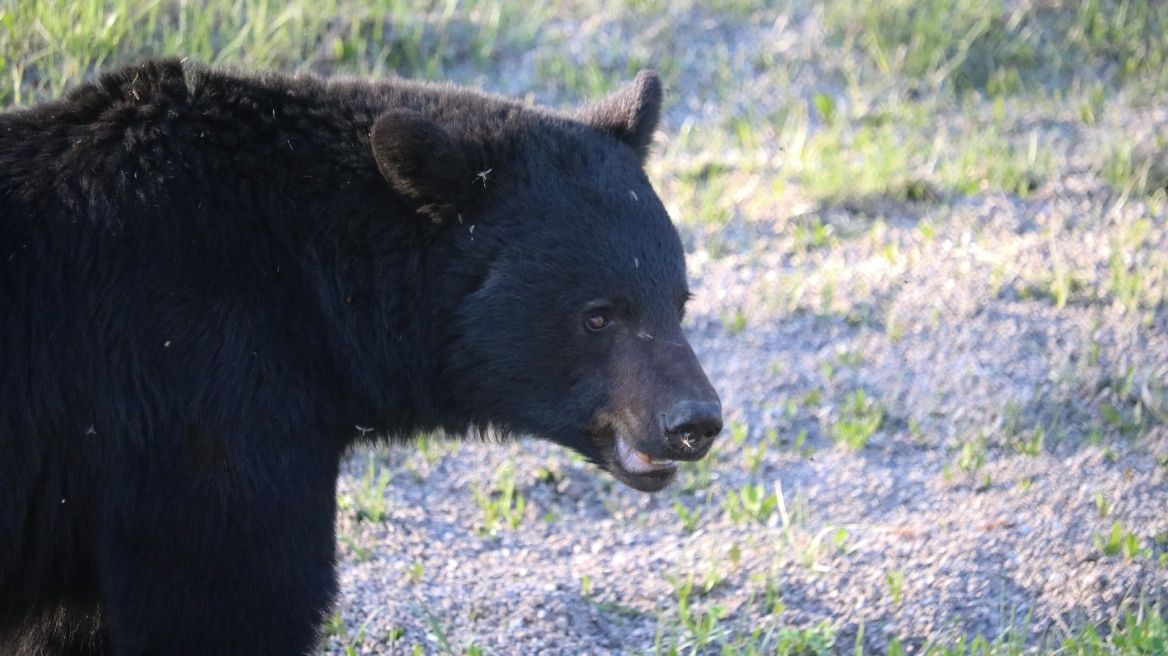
(219,560)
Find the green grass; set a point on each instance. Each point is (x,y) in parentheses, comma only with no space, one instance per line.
(935,43)
(1120,541)
(1002,48)
(689,518)
(895,581)
(734,323)
(751,502)
(859,419)
(502,506)
(905,151)
(1031,445)
(1140,631)
(48,46)
(1140,170)
(905,154)
(368,501)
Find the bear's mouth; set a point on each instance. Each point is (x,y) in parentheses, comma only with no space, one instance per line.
(637,469)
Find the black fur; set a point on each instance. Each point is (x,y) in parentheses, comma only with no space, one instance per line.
(209,280)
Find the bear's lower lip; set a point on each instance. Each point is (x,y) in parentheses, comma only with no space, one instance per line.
(637,463)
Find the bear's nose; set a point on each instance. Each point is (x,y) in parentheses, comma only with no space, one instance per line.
(690,426)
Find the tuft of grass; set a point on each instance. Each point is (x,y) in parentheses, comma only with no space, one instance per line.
(368,501)
(753,457)
(1032,446)
(895,581)
(415,572)
(738,432)
(335,627)
(859,419)
(437,633)
(1137,281)
(734,323)
(1121,541)
(431,448)
(972,456)
(812,233)
(1101,505)
(817,640)
(702,624)
(751,502)
(698,473)
(1121,170)
(1061,282)
(1143,632)
(503,506)
(689,518)
(361,552)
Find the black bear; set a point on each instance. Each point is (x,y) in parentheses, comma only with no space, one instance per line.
(212,284)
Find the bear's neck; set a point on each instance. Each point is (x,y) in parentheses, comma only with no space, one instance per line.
(382,294)
(383,290)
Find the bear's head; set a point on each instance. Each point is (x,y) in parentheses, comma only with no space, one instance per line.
(570,277)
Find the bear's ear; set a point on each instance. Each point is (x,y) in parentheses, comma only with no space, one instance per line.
(420,161)
(630,114)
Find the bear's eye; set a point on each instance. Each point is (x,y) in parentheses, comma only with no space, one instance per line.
(597,321)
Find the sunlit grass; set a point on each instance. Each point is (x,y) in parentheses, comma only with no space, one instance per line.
(1002,48)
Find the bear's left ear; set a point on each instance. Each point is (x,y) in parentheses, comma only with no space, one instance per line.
(630,114)
(421,162)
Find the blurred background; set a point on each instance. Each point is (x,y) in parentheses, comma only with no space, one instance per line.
(927,244)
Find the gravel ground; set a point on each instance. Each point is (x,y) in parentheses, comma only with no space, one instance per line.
(1012,540)
(934,310)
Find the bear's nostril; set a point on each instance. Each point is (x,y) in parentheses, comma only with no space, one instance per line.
(693,423)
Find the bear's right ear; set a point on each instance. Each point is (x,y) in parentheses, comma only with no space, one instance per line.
(631,113)
(420,161)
